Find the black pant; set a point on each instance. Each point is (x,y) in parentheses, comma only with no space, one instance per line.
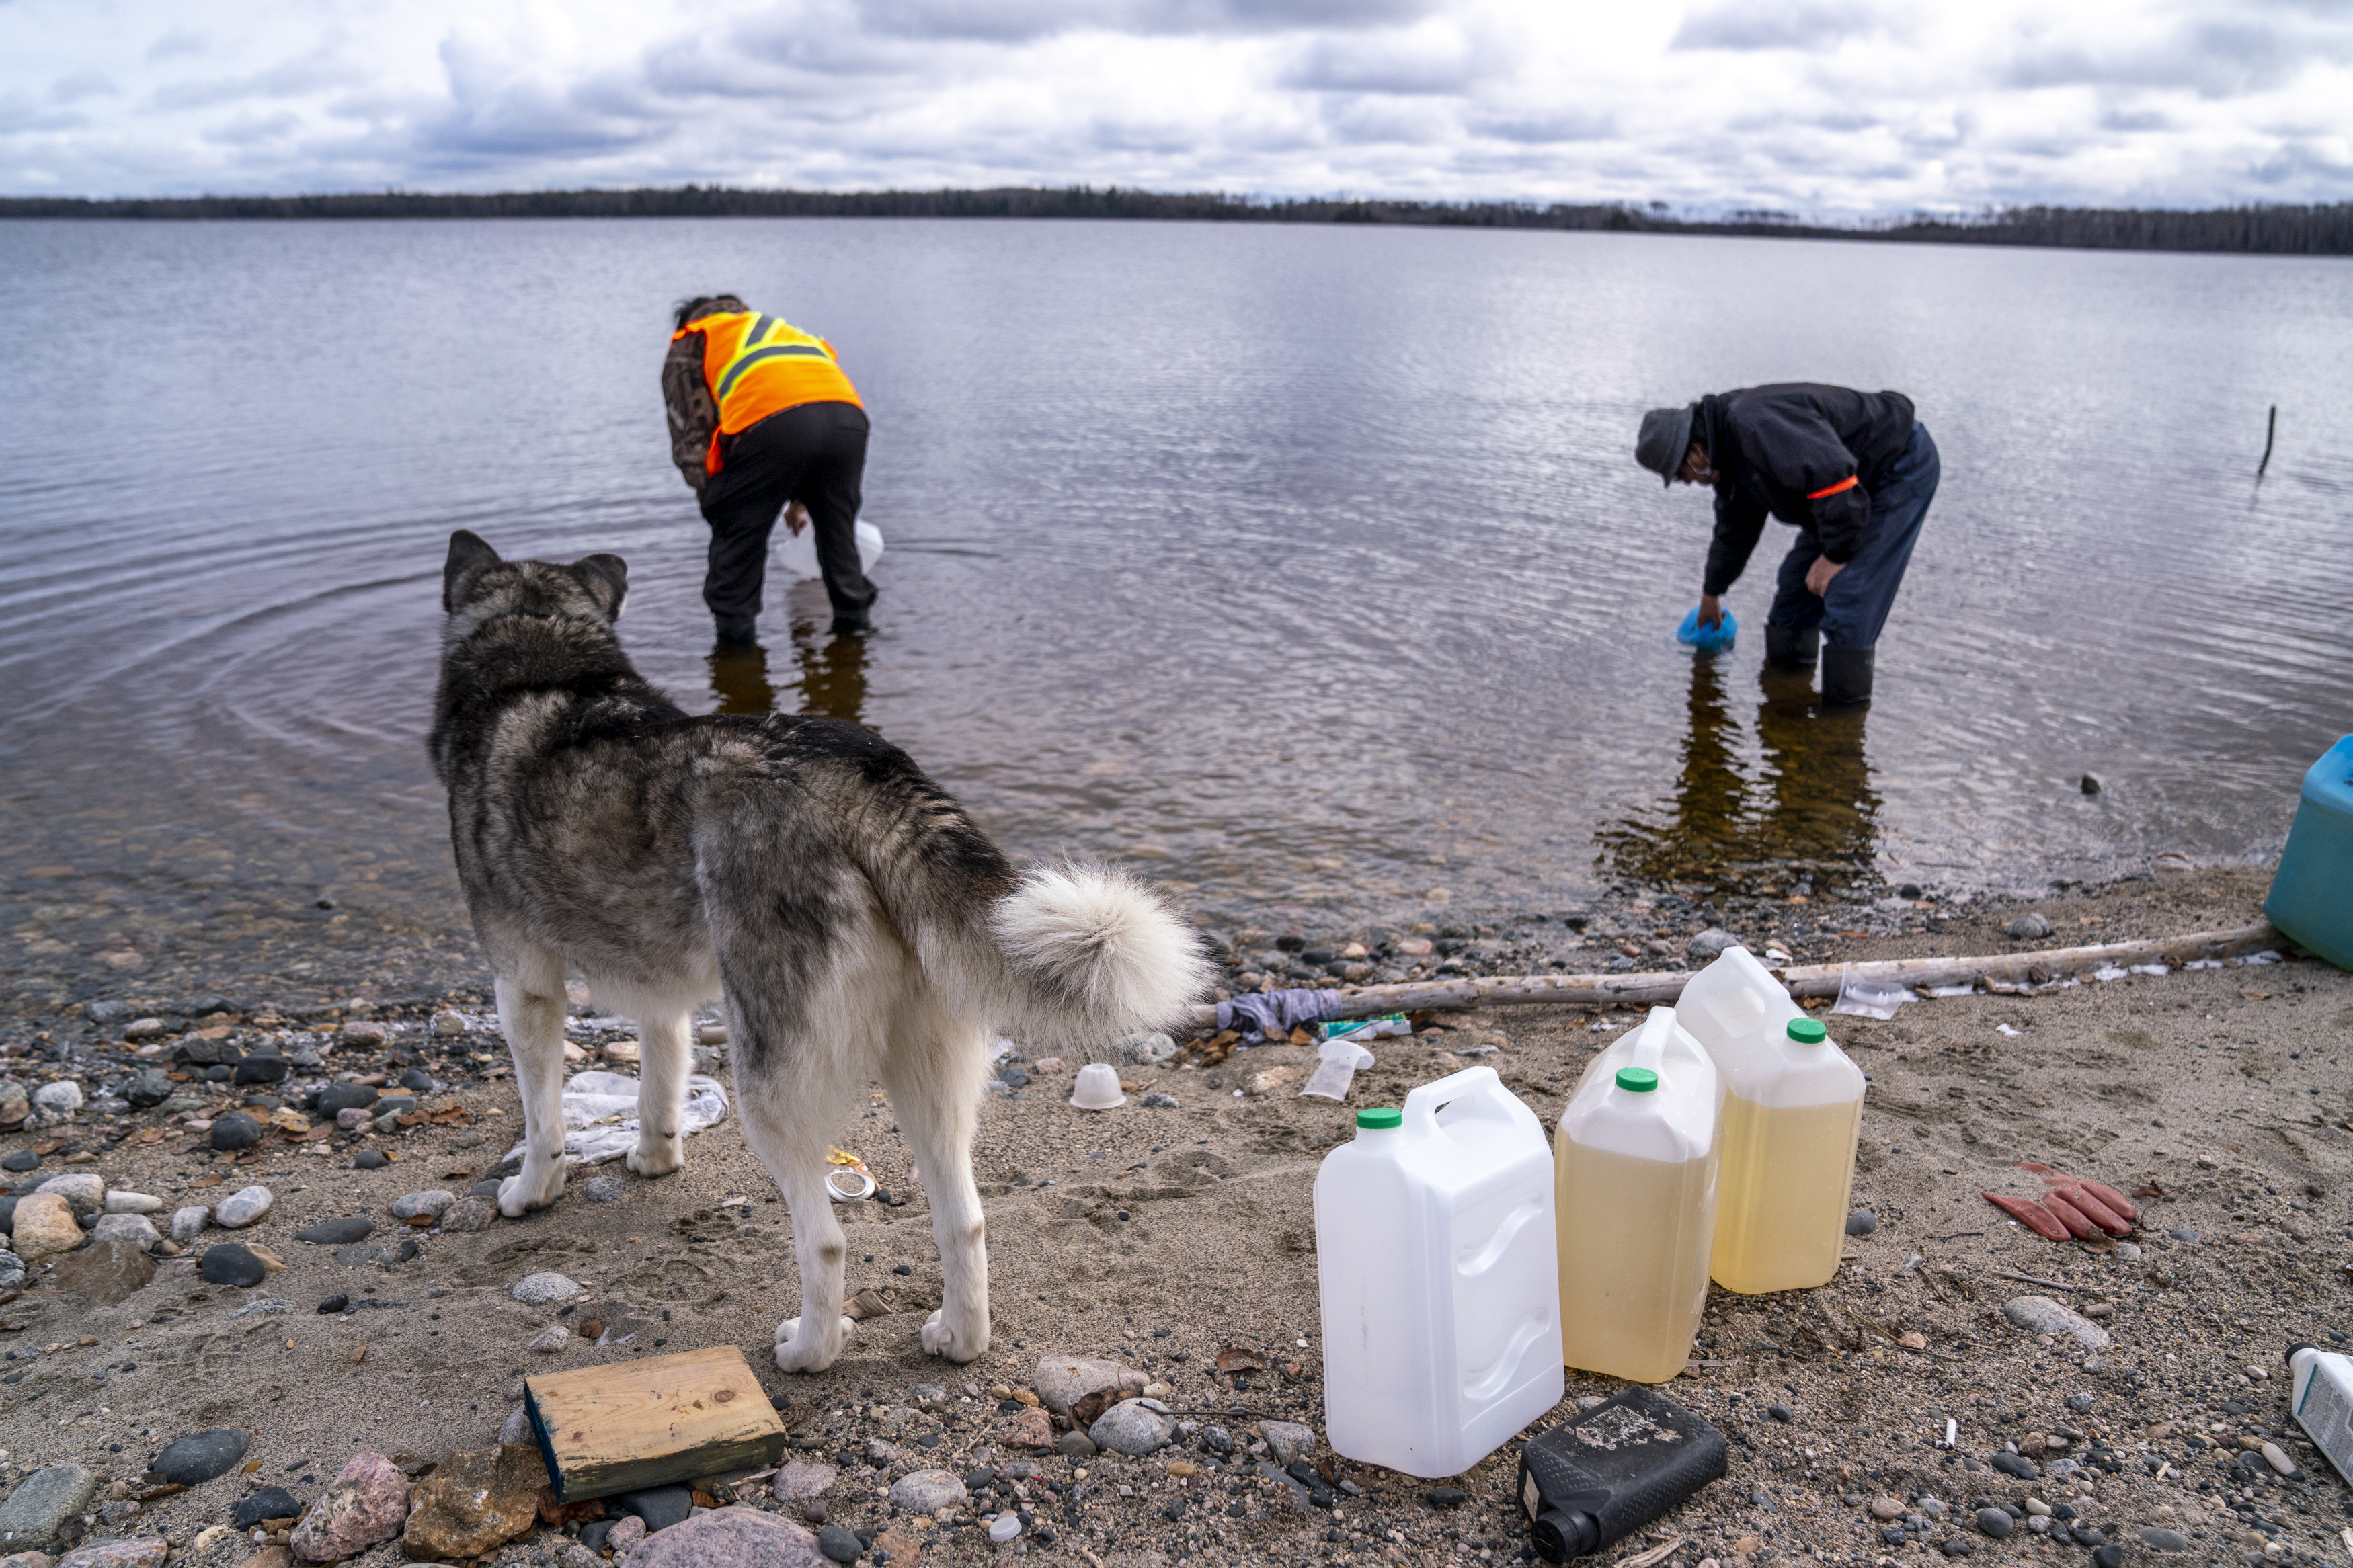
(814,454)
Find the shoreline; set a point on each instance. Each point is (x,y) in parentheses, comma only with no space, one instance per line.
(1163,1236)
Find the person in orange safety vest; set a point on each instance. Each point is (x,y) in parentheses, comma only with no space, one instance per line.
(762,423)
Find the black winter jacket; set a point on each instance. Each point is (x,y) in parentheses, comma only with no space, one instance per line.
(1784,451)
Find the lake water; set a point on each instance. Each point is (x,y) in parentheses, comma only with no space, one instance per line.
(1305,568)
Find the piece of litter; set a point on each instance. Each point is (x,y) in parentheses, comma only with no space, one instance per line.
(2109,972)
(1777,955)
(2266,957)
(2004,1030)
(1952,1431)
(600,1115)
(2203,963)
(2150,969)
(1870,998)
(1941,990)
(1337,1061)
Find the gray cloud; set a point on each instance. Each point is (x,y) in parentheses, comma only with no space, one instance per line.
(1809,26)
(178,42)
(1012,21)
(1399,64)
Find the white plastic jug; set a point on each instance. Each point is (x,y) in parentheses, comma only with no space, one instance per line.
(1434,1254)
(1792,1112)
(1636,1167)
(2320,1394)
(796,552)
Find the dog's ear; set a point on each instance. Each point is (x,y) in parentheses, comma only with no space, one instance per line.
(470,554)
(607,578)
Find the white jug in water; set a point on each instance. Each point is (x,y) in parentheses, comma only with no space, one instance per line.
(796,552)
(1792,1112)
(1434,1253)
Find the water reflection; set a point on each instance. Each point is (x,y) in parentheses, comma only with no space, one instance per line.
(832,674)
(1807,805)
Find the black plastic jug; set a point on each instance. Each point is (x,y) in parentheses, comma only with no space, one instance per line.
(1615,1469)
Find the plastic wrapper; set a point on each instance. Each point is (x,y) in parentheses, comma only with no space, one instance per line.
(1863,998)
(600,1115)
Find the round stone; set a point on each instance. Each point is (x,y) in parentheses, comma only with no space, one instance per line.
(340,1232)
(262,1069)
(1133,1426)
(927,1492)
(243,1207)
(408,1205)
(83,1192)
(1007,1526)
(337,1097)
(63,1097)
(229,1264)
(369,1160)
(1862,1221)
(1076,1445)
(839,1545)
(236,1130)
(22,1160)
(603,1189)
(133,1203)
(1996,1522)
(201,1456)
(541,1290)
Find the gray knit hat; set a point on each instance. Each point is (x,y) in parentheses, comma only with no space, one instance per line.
(1666,437)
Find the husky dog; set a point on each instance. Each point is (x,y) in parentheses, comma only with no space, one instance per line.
(855,921)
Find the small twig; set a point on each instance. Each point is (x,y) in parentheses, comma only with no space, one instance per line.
(1957,1236)
(1658,1553)
(2030,1280)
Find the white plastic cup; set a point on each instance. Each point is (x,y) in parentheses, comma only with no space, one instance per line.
(1098,1088)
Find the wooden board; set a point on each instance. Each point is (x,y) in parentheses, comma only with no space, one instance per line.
(634,1424)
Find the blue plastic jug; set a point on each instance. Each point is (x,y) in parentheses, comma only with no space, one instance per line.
(1708,639)
(2312,893)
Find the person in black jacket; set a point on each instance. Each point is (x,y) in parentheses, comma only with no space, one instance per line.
(1852,471)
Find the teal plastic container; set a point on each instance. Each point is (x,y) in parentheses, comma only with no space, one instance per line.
(2312,894)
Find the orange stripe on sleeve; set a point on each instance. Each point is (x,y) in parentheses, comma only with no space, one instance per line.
(1847,483)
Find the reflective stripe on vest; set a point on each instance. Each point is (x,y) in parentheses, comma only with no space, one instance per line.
(758,364)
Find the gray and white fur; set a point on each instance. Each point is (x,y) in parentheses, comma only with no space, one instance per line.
(853,920)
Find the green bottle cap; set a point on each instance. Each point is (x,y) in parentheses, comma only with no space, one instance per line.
(1637,1080)
(1381,1116)
(1807,1031)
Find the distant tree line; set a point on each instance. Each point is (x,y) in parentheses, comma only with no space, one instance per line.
(2325,230)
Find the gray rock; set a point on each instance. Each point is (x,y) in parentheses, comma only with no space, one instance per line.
(469,1215)
(264,1307)
(730,1538)
(1144,1049)
(187,1223)
(798,1481)
(2157,1538)
(369,1160)
(1217,1439)
(41,1504)
(135,1228)
(517,1426)
(1862,1221)
(1995,1523)
(104,1272)
(605,1189)
(12,1270)
(243,1207)
(2277,1457)
(230,1263)
(338,1098)
(389,1123)
(338,1232)
(550,1339)
(133,1203)
(235,1130)
(2042,1315)
(408,1205)
(449,1026)
(2184,1233)
(351,1118)
(83,1192)
(928,1394)
(200,1457)
(881,1451)
(1287,1440)
(838,1545)
(151,1087)
(2029,927)
(64,1097)
(927,1492)
(1062,1380)
(542,1289)
(1157,1102)
(659,1507)
(1711,943)
(1074,1444)
(1135,1427)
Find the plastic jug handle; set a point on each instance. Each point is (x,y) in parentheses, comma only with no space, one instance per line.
(1421,1106)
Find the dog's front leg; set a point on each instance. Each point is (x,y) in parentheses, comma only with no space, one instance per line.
(530,1012)
(664,1055)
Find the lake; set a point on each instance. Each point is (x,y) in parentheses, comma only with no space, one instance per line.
(1307,570)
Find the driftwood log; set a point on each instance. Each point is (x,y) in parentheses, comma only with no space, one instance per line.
(1662,987)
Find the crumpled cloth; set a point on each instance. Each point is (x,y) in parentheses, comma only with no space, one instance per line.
(590,1097)
(1277,1012)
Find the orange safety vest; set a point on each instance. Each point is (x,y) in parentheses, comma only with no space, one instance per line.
(757,364)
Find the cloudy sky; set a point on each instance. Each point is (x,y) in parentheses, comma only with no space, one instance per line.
(1812,106)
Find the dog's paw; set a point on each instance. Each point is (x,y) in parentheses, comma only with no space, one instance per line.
(797,1352)
(655,1156)
(516,1199)
(940,1340)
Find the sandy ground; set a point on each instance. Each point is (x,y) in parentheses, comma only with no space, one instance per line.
(1168,1235)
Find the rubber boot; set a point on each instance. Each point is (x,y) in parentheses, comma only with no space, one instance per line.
(1792,647)
(1846,676)
(734,631)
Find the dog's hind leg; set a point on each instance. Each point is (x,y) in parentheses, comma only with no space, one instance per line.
(664,1057)
(530,1012)
(935,1086)
(785,1118)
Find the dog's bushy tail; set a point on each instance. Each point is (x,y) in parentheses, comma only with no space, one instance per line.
(1092,953)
